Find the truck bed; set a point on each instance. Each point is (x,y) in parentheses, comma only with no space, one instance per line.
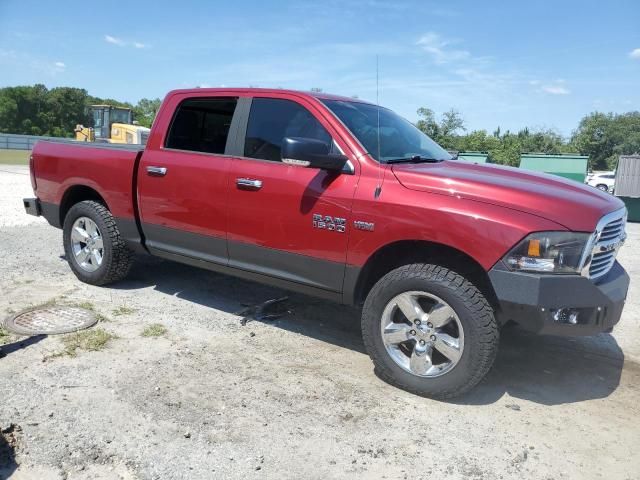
(62,167)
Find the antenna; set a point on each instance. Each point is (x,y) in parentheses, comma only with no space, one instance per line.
(378,190)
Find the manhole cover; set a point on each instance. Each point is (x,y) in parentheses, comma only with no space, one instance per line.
(50,320)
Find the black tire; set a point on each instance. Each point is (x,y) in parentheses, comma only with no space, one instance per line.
(475,315)
(602,187)
(117,257)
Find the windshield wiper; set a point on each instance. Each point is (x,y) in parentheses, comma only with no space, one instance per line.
(414,159)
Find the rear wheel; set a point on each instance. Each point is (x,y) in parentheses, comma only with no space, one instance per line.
(93,246)
(429,330)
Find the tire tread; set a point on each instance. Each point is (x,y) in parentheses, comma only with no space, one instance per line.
(121,258)
(473,299)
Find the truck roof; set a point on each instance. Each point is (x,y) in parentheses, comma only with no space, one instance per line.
(318,95)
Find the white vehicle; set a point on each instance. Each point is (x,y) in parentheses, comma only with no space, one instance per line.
(604,181)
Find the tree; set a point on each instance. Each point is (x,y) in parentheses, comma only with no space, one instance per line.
(38,111)
(67,108)
(35,110)
(444,132)
(605,136)
(451,124)
(427,122)
(145,111)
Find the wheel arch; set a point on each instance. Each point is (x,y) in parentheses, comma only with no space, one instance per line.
(76,194)
(360,280)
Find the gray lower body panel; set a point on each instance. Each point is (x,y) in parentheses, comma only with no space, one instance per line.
(288,266)
(309,275)
(203,247)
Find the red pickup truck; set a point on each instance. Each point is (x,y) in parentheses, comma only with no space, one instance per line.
(342,199)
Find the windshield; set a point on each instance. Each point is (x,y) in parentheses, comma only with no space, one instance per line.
(399,138)
(120,115)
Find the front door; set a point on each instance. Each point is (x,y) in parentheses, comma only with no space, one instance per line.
(287,221)
(182,184)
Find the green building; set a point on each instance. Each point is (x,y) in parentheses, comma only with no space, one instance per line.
(475,157)
(565,165)
(627,187)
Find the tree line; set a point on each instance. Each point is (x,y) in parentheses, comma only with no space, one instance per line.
(36,110)
(601,136)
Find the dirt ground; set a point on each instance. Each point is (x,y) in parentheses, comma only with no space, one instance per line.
(291,398)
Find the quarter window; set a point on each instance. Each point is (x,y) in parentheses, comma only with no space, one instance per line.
(273,119)
(202,125)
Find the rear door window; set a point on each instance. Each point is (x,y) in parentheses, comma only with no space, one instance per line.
(271,120)
(202,125)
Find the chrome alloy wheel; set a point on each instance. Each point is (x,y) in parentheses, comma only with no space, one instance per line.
(86,244)
(422,334)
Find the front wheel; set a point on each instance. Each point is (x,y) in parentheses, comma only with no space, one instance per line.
(93,246)
(429,331)
(602,187)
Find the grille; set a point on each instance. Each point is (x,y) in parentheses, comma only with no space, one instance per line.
(609,239)
(144,136)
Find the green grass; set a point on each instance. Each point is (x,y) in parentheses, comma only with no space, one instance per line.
(122,310)
(86,305)
(15,157)
(88,340)
(5,337)
(154,330)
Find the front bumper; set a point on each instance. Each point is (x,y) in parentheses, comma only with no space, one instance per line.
(533,301)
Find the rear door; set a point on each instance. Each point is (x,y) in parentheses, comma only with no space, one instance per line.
(287,221)
(182,183)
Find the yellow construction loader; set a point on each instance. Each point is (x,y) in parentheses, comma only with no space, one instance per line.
(111,124)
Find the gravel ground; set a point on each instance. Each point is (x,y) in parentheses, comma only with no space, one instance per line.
(290,398)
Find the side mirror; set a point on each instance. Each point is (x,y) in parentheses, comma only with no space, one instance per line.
(309,152)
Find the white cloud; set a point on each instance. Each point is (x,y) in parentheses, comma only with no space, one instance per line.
(635,54)
(114,40)
(441,49)
(556,89)
(60,65)
(534,82)
(123,43)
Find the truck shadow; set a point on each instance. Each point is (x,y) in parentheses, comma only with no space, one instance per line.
(542,369)
(8,463)
(550,370)
(9,348)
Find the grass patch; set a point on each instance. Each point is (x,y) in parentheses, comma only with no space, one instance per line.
(15,157)
(122,310)
(154,330)
(5,336)
(49,303)
(88,340)
(86,305)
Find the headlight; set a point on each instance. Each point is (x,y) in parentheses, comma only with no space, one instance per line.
(549,252)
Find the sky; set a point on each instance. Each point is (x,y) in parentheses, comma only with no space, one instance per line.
(541,63)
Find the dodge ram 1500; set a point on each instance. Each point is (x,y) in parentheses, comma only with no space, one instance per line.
(346,200)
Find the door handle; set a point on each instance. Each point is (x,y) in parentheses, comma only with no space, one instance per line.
(157,171)
(249,183)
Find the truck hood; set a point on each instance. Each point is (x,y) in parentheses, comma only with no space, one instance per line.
(571,204)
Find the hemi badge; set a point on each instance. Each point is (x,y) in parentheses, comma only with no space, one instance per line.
(360,225)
